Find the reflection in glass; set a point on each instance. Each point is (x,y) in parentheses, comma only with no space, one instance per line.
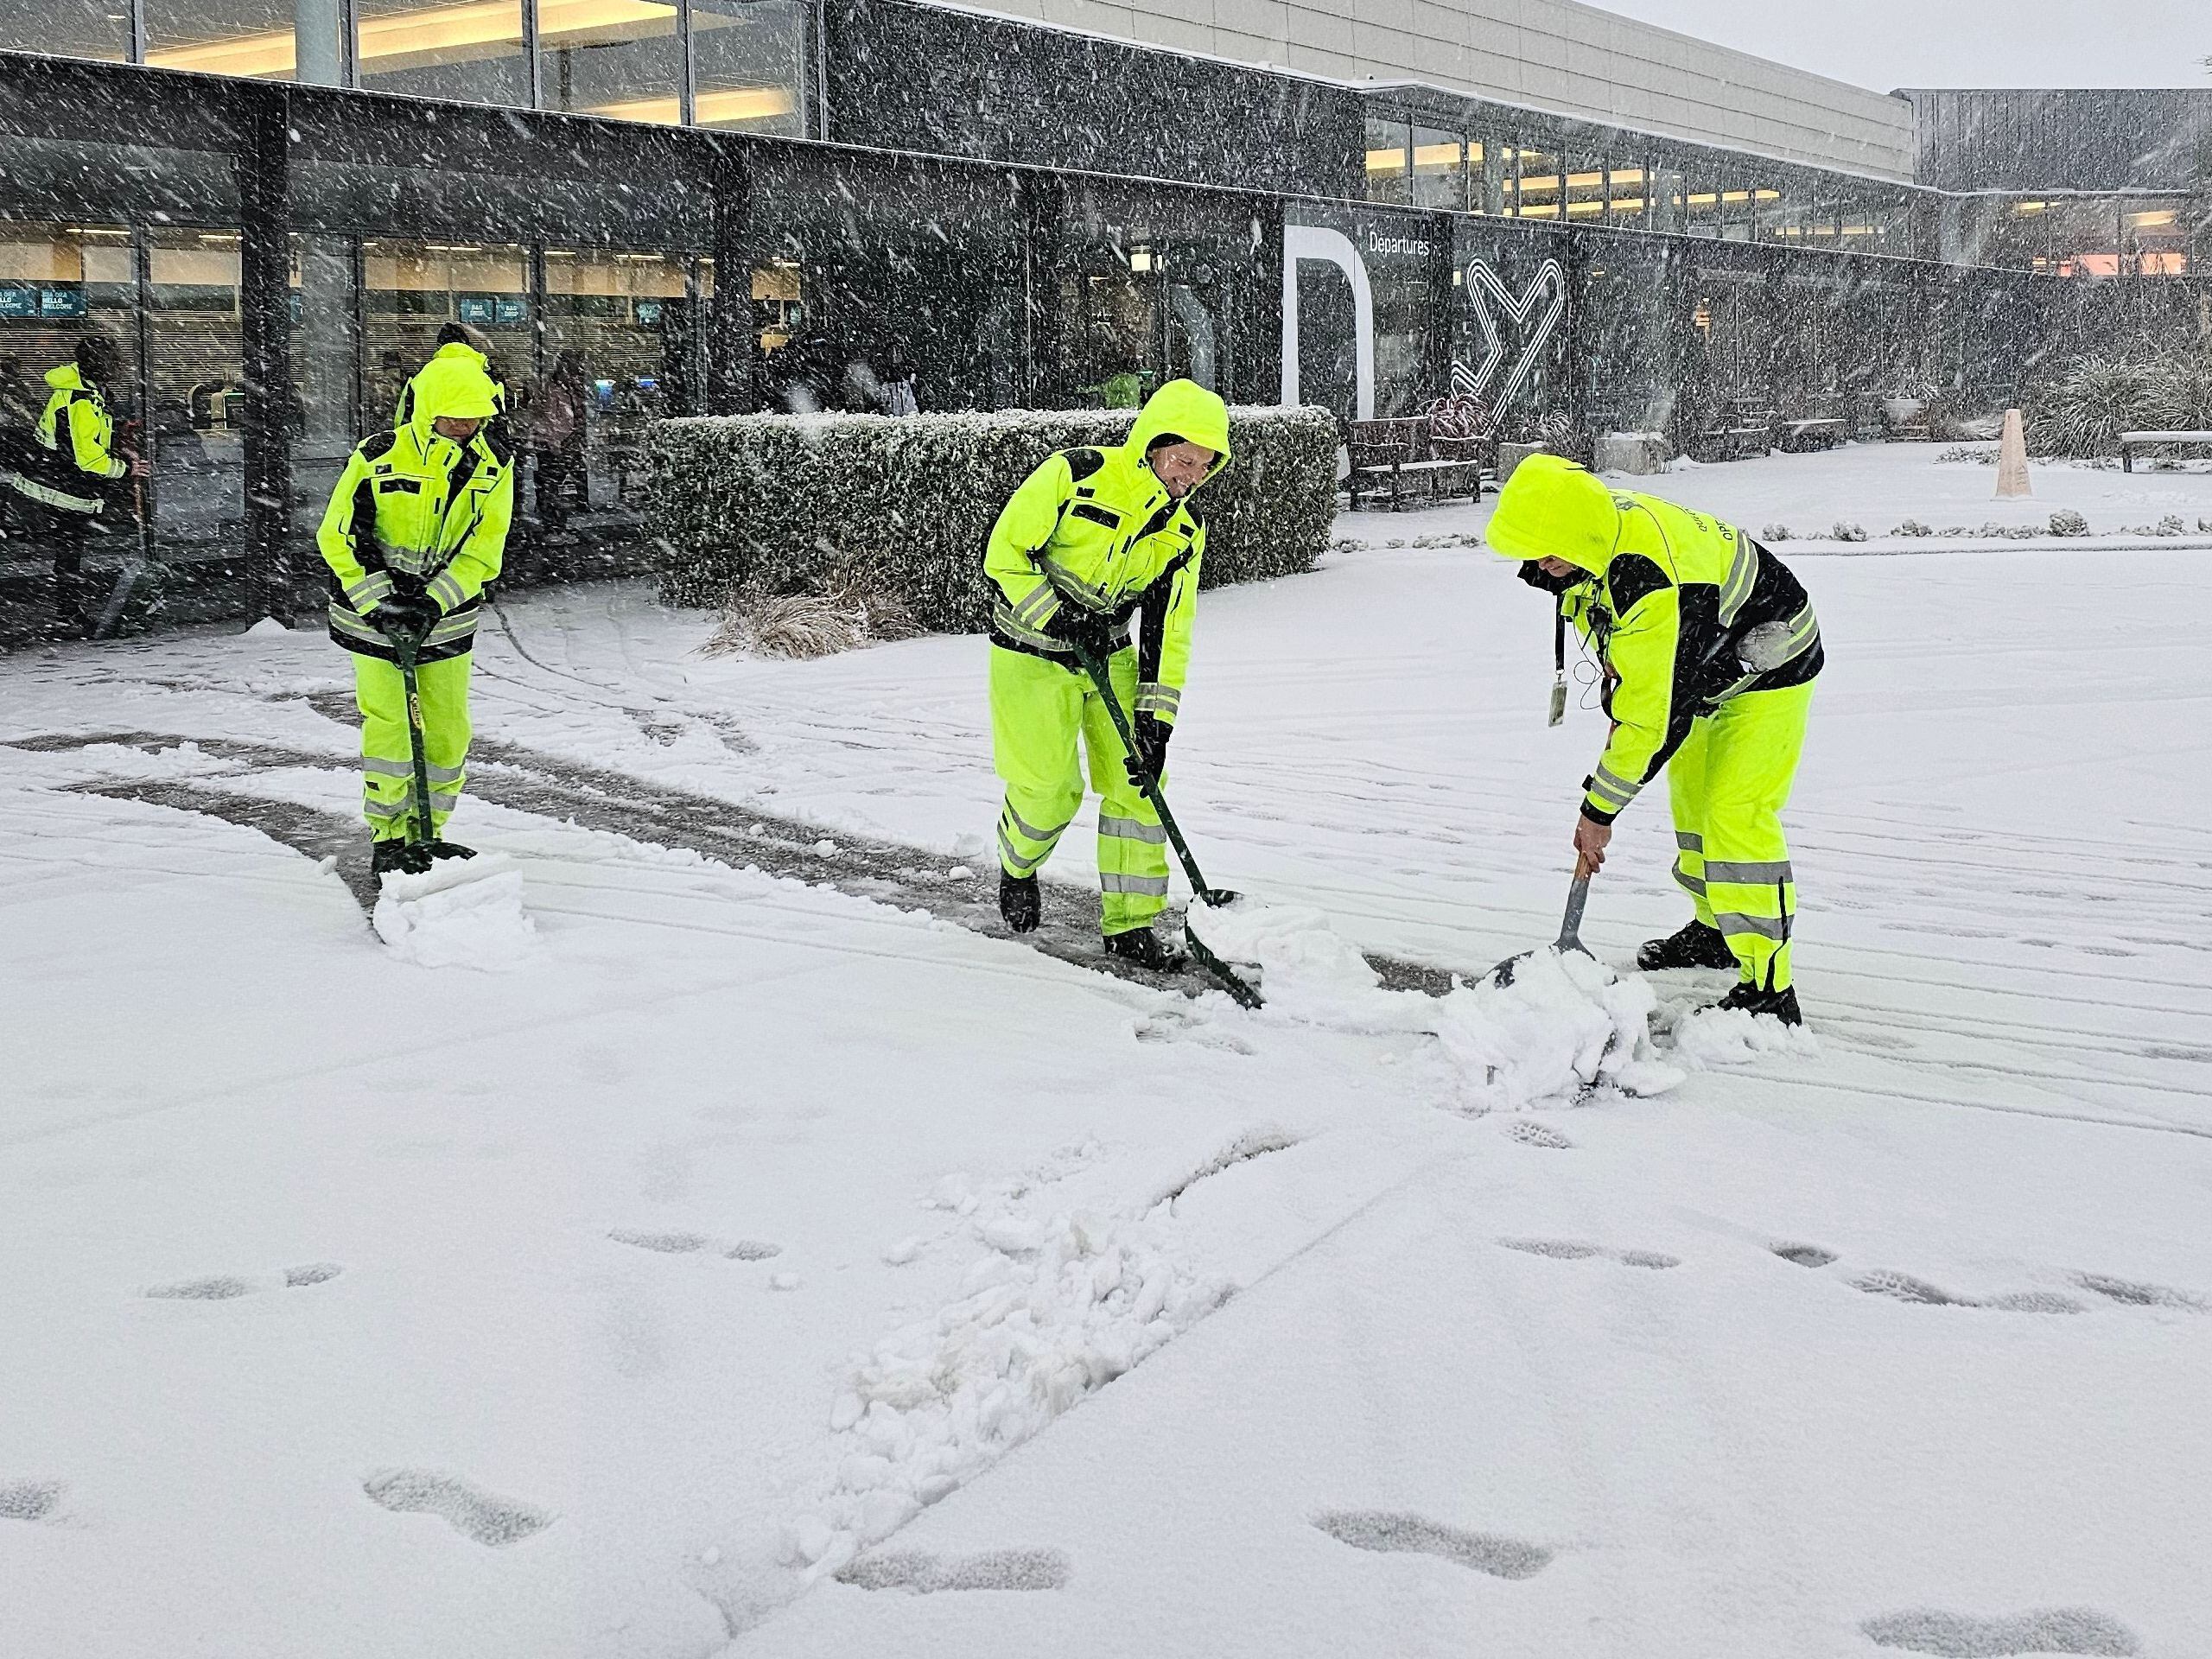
(1389,145)
(470,51)
(1438,173)
(68,28)
(1586,187)
(268,40)
(748,59)
(620,59)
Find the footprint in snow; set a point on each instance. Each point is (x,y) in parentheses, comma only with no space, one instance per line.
(2134,1294)
(1904,1287)
(1391,1533)
(1573,1250)
(471,1511)
(1805,1255)
(29,1500)
(745,1249)
(1530,1133)
(1959,1636)
(223,1288)
(924,1574)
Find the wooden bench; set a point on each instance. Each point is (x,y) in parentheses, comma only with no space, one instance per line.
(2131,441)
(1800,436)
(1388,455)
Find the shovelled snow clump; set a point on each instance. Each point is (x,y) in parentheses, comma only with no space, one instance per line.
(1716,1036)
(1565,1025)
(1054,1310)
(459,913)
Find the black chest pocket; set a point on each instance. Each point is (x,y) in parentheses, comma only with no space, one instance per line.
(395,485)
(1097,514)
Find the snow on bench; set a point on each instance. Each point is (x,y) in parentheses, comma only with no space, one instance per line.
(2131,441)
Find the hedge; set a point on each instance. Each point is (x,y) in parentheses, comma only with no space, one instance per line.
(902,506)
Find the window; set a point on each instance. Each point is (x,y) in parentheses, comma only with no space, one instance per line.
(2154,238)
(1585,188)
(1389,146)
(1668,206)
(629,70)
(266,40)
(1703,205)
(1627,193)
(68,28)
(1440,171)
(1488,167)
(470,52)
(1537,189)
(747,58)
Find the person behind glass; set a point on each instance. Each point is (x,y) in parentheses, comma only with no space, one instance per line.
(898,382)
(69,472)
(557,423)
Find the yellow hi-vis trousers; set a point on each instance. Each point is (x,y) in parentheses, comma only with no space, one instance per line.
(1728,783)
(1038,710)
(387,769)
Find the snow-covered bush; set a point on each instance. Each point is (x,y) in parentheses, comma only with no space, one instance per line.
(1846,530)
(2083,410)
(805,626)
(2067,522)
(1774,532)
(899,509)
(1912,527)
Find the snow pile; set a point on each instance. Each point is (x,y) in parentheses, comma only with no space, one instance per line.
(459,913)
(1565,1025)
(1058,1308)
(1717,1036)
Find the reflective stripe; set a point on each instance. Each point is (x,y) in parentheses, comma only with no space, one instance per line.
(1003,619)
(1132,829)
(459,626)
(373,808)
(1742,576)
(1688,842)
(1156,885)
(1733,922)
(446,774)
(1040,603)
(1016,860)
(47,495)
(1611,790)
(1155,699)
(1689,883)
(378,766)
(346,622)
(1753,874)
(1030,830)
(372,589)
(446,590)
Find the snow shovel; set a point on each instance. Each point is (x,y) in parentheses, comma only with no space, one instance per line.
(419,833)
(1231,982)
(1570,930)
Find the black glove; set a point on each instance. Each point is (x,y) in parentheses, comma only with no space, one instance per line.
(404,619)
(1152,733)
(1091,635)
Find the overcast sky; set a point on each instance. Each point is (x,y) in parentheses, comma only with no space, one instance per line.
(1889,43)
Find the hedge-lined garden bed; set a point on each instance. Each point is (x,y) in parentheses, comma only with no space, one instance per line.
(794,504)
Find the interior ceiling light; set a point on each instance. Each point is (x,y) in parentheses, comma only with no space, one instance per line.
(419,38)
(709,108)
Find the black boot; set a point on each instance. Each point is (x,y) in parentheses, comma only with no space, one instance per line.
(1142,946)
(1780,1005)
(398,857)
(1692,945)
(1019,902)
(449,850)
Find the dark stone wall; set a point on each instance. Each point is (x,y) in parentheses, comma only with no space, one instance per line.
(912,77)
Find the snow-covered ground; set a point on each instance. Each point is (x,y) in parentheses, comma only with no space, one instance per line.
(357,1306)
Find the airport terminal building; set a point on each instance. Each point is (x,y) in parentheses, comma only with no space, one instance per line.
(1580,221)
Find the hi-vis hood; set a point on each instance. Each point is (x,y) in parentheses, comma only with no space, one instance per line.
(68,377)
(454,386)
(1186,409)
(1551,508)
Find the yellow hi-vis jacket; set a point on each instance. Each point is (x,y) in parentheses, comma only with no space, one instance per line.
(1095,529)
(1687,611)
(417,513)
(75,447)
(453,350)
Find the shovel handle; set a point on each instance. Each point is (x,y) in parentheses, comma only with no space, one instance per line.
(1577,896)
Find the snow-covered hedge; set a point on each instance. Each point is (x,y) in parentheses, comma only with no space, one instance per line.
(901,507)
